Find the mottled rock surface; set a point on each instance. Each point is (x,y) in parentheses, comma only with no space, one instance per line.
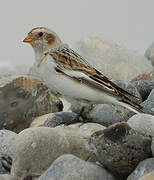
(120,148)
(69,167)
(22,99)
(36,148)
(142,169)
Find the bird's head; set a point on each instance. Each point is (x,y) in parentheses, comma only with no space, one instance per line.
(42,39)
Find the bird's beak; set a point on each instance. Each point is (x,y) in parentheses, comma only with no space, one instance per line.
(28,39)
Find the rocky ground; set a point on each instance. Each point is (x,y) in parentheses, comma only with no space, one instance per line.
(40,138)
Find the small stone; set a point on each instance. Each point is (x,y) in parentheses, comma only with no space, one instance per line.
(22,99)
(119,148)
(142,169)
(148,105)
(142,123)
(36,148)
(107,115)
(144,87)
(69,167)
(55,119)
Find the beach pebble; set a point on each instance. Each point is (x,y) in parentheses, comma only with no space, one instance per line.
(85,129)
(107,115)
(142,169)
(142,123)
(55,119)
(144,87)
(119,148)
(148,105)
(36,148)
(69,167)
(22,99)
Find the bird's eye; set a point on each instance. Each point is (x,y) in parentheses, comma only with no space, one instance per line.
(40,34)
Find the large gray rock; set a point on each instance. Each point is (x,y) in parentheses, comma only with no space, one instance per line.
(22,99)
(152,146)
(149,53)
(142,169)
(142,123)
(69,167)
(120,148)
(36,148)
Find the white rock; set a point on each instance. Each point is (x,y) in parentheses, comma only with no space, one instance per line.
(143,123)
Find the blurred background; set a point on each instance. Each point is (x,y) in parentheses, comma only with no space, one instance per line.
(128,22)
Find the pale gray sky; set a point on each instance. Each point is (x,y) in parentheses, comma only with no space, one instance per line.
(129,22)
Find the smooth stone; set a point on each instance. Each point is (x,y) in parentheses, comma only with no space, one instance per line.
(112,59)
(119,148)
(69,167)
(144,87)
(142,123)
(86,129)
(36,148)
(148,105)
(149,176)
(142,169)
(107,115)
(22,99)
(58,118)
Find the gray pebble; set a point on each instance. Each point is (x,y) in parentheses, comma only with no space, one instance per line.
(143,168)
(148,105)
(144,87)
(119,148)
(69,167)
(58,118)
(107,115)
(142,123)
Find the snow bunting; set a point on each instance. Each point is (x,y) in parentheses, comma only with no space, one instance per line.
(72,76)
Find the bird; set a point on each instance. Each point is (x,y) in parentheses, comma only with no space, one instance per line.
(72,77)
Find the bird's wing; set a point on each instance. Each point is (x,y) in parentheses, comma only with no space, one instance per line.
(76,67)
